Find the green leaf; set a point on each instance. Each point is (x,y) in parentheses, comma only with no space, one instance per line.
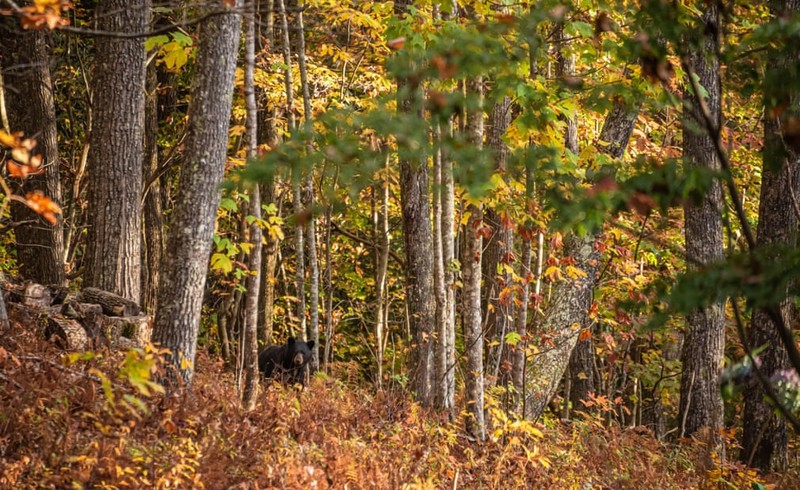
(155,42)
(229,204)
(221,263)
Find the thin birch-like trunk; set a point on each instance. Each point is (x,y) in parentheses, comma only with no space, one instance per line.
(297,195)
(382,264)
(250,337)
(471,308)
(311,230)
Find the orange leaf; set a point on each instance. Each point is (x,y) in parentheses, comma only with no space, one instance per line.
(43,205)
(397,43)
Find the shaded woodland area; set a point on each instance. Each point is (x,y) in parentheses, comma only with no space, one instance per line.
(528,244)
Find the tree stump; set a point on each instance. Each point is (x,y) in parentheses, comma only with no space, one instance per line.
(37,296)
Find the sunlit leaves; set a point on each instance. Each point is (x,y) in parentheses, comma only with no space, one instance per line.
(173,49)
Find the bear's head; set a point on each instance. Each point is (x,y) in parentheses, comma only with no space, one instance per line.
(298,353)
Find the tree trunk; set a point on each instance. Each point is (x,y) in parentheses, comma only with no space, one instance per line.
(311,231)
(250,337)
(381,265)
(28,90)
(297,204)
(152,220)
(471,264)
(704,343)
(764,441)
(184,275)
(268,133)
(418,238)
(113,252)
(581,364)
(499,249)
(571,299)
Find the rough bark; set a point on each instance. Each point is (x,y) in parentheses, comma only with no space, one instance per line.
(418,239)
(571,299)
(250,337)
(113,304)
(499,249)
(445,291)
(268,134)
(28,90)
(152,220)
(311,226)
(189,241)
(563,319)
(765,437)
(113,253)
(471,307)
(703,347)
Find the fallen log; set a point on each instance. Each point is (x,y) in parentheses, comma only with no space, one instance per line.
(113,304)
(70,334)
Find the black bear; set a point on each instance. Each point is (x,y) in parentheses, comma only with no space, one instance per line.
(286,363)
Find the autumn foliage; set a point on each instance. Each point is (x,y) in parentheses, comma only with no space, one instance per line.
(96,420)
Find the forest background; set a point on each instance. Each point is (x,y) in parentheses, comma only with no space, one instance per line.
(532,241)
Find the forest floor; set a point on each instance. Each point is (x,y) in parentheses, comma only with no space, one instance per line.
(96,421)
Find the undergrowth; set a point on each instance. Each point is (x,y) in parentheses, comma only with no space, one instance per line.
(98,421)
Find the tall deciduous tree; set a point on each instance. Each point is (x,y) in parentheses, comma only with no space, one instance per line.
(250,337)
(571,299)
(418,239)
(764,442)
(703,346)
(471,305)
(113,252)
(25,63)
(184,276)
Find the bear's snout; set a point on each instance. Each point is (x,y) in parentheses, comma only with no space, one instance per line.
(298,359)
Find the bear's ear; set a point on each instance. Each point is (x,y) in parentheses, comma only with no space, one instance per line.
(310,344)
(291,341)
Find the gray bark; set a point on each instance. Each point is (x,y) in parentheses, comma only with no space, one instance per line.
(418,238)
(152,214)
(311,230)
(704,343)
(572,298)
(268,133)
(184,275)
(471,308)
(113,251)
(28,91)
(253,283)
(499,247)
(765,437)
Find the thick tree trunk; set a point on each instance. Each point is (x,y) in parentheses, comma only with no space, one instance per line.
(184,275)
(28,90)
(564,317)
(418,238)
(113,253)
(581,364)
(765,437)
(704,343)
(571,299)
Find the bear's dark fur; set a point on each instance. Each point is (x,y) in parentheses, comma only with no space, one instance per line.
(287,363)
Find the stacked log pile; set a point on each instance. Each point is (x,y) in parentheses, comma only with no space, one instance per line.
(78,320)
